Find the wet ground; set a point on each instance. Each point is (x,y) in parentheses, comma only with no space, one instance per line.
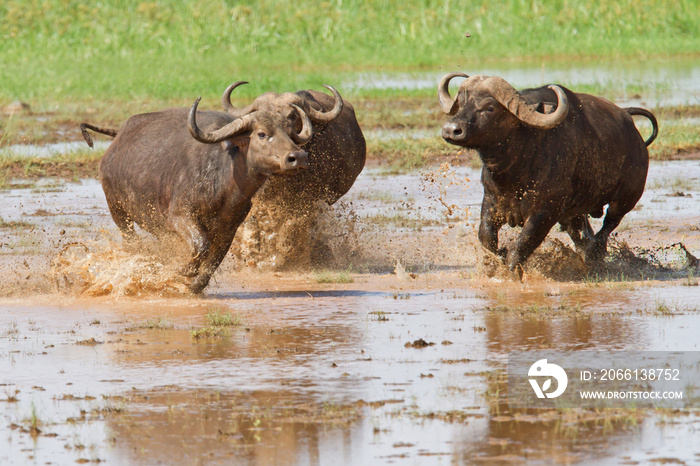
(395,357)
(665,81)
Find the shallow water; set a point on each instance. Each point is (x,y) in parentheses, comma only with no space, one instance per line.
(320,373)
(50,150)
(665,82)
(299,359)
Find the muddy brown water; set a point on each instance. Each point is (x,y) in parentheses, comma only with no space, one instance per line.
(320,373)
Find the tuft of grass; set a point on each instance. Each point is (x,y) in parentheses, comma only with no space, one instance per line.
(662,308)
(12,330)
(381,316)
(206,333)
(11,396)
(153,323)
(158,323)
(536,309)
(690,279)
(34,423)
(15,224)
(334,277)
(218,317)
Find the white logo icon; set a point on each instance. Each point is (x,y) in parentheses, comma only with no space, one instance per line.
(542,369)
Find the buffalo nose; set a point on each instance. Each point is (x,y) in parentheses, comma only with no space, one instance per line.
(452,131)
(296,159)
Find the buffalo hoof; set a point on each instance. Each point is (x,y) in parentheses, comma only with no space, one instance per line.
(595,252)
(197,285)
(188,271)
(516,273)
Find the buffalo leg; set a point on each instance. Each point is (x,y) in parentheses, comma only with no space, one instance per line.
(599,246)
(534,231)
(215,255)
(574,227)
(124,222)
(588,232)
(489,227)
(196,242)
(217,247)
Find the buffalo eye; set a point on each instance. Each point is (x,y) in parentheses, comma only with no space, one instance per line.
(489,109)
(262,135)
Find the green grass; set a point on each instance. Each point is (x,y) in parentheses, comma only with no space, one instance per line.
(333,277)
(152,323)
(15,224)
(68,165)
(407,153)
(673,139)
(208,333)
(131,49)
(158,323)
(217,319)
(220,318)
(103,61)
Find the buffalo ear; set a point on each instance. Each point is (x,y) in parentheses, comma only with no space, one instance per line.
(236,144)
(226,144)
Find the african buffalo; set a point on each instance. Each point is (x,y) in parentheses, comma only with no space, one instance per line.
(174,179)
(549,155)
(336,150)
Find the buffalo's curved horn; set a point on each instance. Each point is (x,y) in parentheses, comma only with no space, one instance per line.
(449,105)
(237,126)
(306,132)
(228,106)
(511,99)
(330,115)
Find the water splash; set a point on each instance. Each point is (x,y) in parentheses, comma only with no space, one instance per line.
(273,237)
(106,268)
(557,261)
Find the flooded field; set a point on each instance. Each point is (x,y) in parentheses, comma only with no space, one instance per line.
(665,82)
(395,355)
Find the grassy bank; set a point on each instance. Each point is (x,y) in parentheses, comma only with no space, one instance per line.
(103,61)
(55,50)
(401,134)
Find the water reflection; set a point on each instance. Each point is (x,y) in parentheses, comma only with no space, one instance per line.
(321,379)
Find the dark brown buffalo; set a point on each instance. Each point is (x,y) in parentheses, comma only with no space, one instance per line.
(172,178)
(336,150)
(549,155)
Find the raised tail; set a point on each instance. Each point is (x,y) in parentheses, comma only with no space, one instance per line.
(87,126)
(651,117)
